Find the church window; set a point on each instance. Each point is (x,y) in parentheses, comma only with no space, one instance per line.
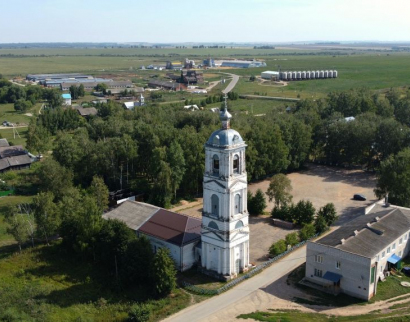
(215,164)
(239,224)
(213,225)
(215,205)
(237,209)
(236,164)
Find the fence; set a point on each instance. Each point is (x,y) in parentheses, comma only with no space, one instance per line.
(256,270)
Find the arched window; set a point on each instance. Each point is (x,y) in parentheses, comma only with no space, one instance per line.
(215,164)
(213,225)
(236,164)
(215,205)
(239,224)
(237,201)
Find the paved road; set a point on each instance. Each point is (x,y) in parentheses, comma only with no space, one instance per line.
(244,298)
(232,84)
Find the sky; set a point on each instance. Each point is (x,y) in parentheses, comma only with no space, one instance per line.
(170,21)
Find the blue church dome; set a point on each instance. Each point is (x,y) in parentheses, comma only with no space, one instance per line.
(225,137)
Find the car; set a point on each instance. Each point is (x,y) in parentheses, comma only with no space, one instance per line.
(359,197)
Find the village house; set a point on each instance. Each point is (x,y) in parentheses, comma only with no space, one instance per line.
(13,157)
(355,257)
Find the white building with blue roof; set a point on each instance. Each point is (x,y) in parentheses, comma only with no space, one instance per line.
(67,99)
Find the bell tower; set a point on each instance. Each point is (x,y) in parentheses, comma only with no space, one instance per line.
(225,229)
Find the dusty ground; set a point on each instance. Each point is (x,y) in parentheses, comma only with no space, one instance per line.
(319,184)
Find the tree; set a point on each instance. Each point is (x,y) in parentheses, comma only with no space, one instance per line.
(46,214)
(22,105)
(257,203)
(176,161)
(81,91)
(307,232)
(252,78)
(277,248)
(54,177)
(74,92)
(279,189)
(321,224)
(164,273)
(55,99)
(328,212)
(102,87)
(137,262)
(99,191)
(38,139)
(303,212)
(292,239)
(393,179)
(18,226)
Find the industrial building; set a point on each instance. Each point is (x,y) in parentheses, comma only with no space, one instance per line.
(240,63)
(353,258)
(44,77)
(271,75)
(90,85)
(306,75)
(166,85)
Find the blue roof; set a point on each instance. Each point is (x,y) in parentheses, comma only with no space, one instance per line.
(66,96)
(332,276)
(225,137)
(393,259)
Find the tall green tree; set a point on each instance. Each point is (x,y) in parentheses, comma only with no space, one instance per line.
(46,215)
(176,162)
(164,273)
(328,212)
(393,179)
(279,189)
(38,139)
(99,191)
(54,177)
(18,226)
(303,212)
(256,203)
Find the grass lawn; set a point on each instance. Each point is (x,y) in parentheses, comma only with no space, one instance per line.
(43,284)
(8,113)
(400,315)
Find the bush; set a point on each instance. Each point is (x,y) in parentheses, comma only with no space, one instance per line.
(284,212)
(328,212)
(139,313)
(292,239)
(277,248)
(307,231)
(320,224)
(303,212)
(257,203)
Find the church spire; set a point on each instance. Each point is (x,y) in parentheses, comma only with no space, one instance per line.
(225,116)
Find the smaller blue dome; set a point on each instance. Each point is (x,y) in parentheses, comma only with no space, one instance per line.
(225,137)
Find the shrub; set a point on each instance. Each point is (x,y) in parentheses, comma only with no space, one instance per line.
(307,231)
(304,212)
(320,224)
(257,203)
(139,313)
(292,239)
(284,212)
(277,248)
(328,212)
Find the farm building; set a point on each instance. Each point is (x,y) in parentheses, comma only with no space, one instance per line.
(270,75)
(240,63)
(165,85)
(43,77)
(353,258)
(179,233)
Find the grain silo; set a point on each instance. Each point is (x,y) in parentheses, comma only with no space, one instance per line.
(303,75)
(321,74)
(317,74)
(335,74)
(330,73)
(284,75)
(326,74)
(308,75)
(299,75)
(294,76)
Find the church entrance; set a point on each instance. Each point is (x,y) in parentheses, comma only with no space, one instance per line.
(238,265)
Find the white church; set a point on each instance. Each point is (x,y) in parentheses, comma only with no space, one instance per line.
(225,229)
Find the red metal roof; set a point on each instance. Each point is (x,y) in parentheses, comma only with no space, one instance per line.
(172,227)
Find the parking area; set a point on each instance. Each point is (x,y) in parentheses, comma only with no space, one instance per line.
(319,184)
